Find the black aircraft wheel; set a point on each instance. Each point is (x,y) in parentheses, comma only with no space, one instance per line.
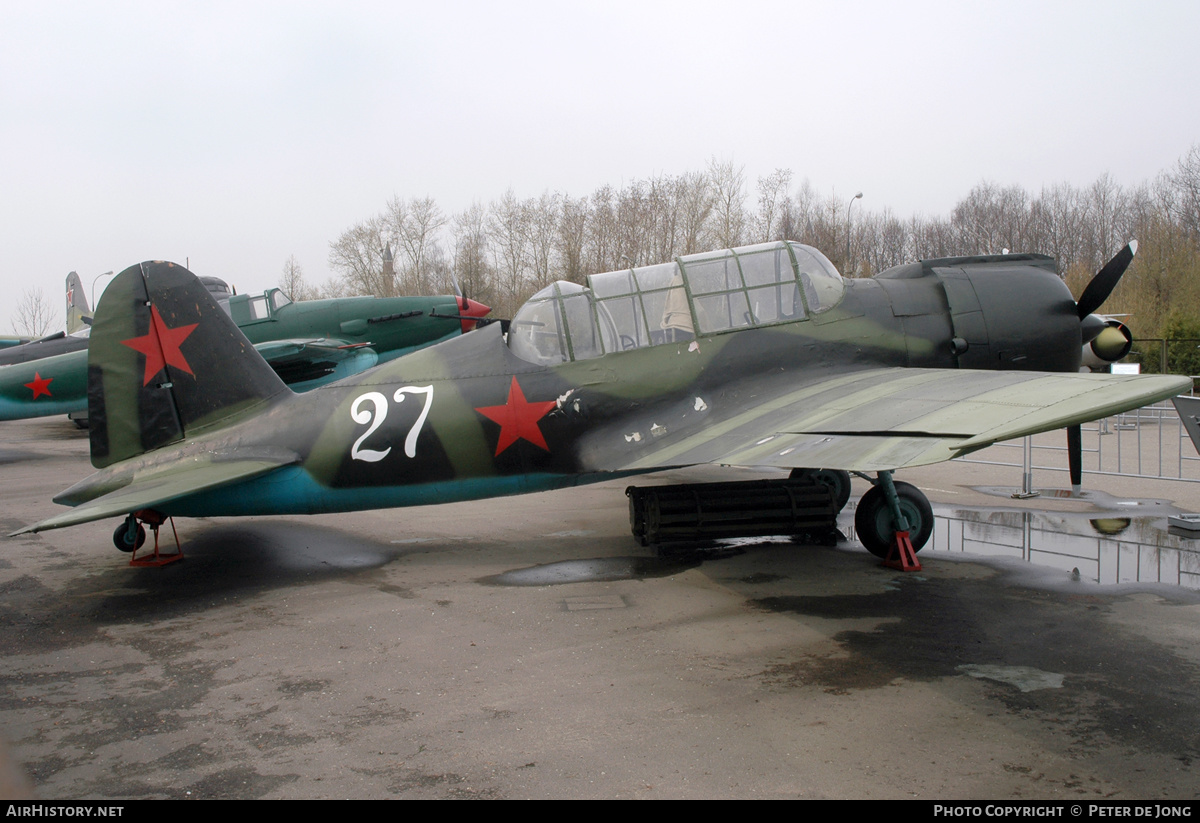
(874,523)
(837,480)
(121,538)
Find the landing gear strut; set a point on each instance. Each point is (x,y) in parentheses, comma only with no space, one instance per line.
(131,535)
(894,521)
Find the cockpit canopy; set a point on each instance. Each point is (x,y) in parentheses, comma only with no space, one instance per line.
(697,295)
(245,309)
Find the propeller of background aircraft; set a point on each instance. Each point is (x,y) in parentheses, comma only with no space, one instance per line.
(1105,340)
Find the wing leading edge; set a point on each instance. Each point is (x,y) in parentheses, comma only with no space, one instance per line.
(884,419)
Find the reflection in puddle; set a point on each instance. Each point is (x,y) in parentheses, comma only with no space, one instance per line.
(1107,549)
(1023,677)
(596,569)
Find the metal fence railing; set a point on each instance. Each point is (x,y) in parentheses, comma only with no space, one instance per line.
(1150,442)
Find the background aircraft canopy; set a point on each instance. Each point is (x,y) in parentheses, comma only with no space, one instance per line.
(698,294)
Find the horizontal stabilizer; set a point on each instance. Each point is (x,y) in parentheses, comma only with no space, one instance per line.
(158,486)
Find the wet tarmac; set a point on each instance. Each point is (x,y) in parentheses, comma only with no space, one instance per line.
(528,647)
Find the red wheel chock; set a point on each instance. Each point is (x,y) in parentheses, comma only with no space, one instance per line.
(155,519)
(901,555)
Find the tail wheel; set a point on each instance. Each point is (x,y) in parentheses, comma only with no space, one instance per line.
(877,528)
(837,480)
(123,541)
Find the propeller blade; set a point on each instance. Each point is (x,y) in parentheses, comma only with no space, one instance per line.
(1075,457)
(1106,280)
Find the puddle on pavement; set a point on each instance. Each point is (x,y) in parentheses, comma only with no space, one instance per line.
(1128,543)
(596,569)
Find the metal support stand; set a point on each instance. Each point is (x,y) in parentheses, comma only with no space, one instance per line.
(1027,476)
(155,519)
(901,555)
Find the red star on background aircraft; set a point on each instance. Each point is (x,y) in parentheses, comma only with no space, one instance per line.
(161,346)
(518,419)
(40,385)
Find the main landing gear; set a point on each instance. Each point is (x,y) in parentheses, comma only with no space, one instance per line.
(131,536)
(894,521)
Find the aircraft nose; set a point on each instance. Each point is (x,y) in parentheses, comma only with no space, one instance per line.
(469,308)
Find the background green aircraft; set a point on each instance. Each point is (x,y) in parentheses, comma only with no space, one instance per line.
(761,356)
(79,318)
(307,343)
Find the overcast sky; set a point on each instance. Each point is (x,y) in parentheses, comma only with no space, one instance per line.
(232,135)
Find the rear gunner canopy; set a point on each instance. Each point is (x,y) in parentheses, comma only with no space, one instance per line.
(697,295)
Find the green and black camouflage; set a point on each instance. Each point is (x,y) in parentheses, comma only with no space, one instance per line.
(760,356)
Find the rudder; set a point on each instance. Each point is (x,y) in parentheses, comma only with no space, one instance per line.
(79,316)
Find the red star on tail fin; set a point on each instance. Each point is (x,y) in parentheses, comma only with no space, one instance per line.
(161,346)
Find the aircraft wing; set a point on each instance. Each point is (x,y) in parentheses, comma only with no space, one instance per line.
(326,359)
(164,483)
(882,419)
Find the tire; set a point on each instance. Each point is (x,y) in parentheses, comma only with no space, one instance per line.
(837,480)
(121,538)
(874,523)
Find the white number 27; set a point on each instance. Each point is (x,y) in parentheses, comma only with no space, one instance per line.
(375,418)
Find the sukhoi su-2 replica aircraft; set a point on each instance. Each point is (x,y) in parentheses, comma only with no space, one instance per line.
(758,356)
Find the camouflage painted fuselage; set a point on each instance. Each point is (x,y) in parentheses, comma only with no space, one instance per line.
(468,418)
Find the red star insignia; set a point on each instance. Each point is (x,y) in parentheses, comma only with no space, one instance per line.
(161,346)
(518,419)
(40,385)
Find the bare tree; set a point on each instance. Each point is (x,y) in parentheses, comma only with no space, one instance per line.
(292,282)
(602,254)
(728,182)
(572,230)
(415,225)
(696,206)
(990,219)
(1185,204)
(665,212)
(508,231)
(541,219)
(505,252)
(34,314)
(358,256)
(472,270)
(772,195)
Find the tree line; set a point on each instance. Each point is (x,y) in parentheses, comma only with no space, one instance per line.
(502,252)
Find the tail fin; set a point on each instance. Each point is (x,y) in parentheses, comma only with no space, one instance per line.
(79,316)
(165,362)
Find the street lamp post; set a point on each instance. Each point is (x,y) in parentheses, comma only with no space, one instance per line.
(852,199)
(94,279)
